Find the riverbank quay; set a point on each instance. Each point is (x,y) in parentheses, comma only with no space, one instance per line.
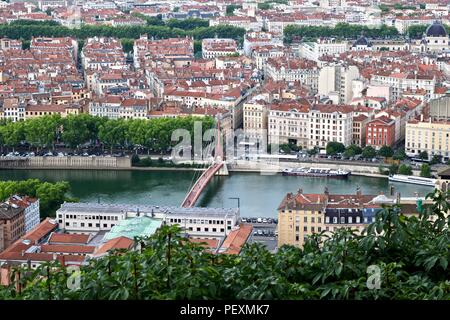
(124,163)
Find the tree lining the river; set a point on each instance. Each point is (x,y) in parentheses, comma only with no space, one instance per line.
(76,130)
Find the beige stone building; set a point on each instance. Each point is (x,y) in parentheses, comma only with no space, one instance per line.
(288,122)
(430,136)
(330,123)
(255,118)
(303,214)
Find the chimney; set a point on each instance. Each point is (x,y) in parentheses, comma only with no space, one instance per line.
(23,253)
(421,117)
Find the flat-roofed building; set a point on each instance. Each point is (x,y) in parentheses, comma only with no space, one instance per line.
(196,221)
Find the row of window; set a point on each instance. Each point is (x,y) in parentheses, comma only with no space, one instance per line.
(206,229)
(200,221)
(89,225)
(87,217)
(343,220)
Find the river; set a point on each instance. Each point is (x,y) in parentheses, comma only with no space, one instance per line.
(259,195)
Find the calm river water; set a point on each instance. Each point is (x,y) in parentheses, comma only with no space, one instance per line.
(259,195)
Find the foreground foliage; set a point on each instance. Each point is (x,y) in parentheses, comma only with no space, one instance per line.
(412,254)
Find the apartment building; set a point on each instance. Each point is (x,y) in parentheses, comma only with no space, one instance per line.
(13,110)
(359,130)
(303,214)
(103,53)
(289,69)
(336,81)
(330,123)
(430,136)
(380,132)
(249,23)
(217,47)
(13,219)
(288,122)
(31,210)
(255,114)
(177,50)
(260,39)
(50,45)
(261,54)
(116,107)
(404,81)
(321,47)
(39,110)
(440,109)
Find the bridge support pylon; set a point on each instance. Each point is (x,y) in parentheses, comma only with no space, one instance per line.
(223,171)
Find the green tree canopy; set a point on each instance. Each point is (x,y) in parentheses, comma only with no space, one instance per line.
(386,151)
(405,170)
(369,152)
(425,170)
(352,150)
(423,155)
(334,148)
(399,155)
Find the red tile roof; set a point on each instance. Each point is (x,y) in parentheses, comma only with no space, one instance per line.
(236,239)
(116,243)
(68,238)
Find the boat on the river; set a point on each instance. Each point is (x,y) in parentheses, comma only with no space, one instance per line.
(316,172)
(413,180)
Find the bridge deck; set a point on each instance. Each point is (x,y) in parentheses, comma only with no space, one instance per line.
(200,185)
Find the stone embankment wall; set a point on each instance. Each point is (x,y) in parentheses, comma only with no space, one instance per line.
(73,162)
(368,169)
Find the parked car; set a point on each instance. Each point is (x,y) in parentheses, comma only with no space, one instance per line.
(259,220)
(244,220)
(264,220)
